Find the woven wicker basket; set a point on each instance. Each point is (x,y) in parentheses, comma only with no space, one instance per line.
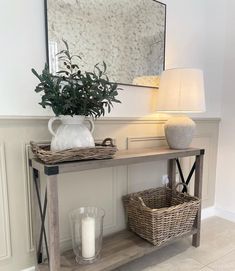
(106,150)
(161,214)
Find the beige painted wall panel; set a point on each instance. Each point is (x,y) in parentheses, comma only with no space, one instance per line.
(5,244)
(89,188)
(103,187)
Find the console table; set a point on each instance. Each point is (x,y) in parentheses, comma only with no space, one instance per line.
(121,247)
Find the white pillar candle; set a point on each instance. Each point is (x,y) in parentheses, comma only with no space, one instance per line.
(88,237)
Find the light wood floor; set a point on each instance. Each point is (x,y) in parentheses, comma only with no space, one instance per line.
(216,253)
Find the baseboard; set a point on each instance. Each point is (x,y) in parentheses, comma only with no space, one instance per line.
(30,269)
(225,214)
(208,212)
(217,211)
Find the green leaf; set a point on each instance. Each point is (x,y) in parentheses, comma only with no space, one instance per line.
(73,92)
(66,44)
(76,56)
(36,74)
(62,71)
(61,52)
(105,66)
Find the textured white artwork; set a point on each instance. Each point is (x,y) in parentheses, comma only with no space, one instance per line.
(128,35)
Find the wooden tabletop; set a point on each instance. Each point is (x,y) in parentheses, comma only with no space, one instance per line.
(123,157)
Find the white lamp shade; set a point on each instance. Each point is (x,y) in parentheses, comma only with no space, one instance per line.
(181,90)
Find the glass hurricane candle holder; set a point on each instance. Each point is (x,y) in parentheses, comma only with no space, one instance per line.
(87,233)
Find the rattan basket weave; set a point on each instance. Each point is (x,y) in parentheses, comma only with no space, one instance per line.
(106,150)
(161,214)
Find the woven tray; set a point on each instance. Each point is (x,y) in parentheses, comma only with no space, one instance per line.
(105,150)
(161,214)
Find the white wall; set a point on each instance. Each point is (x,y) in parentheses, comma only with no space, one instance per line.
(22,47)
(226,159)
(190,42)
(194,38)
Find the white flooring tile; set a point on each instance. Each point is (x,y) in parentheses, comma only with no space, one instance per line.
(216,252)
(217,240)
(226,263)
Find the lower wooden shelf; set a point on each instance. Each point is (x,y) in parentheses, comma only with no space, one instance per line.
(118,249)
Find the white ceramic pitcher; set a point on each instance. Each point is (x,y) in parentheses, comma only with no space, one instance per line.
(72,133)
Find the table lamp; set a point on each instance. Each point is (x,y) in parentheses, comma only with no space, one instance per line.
(181,90)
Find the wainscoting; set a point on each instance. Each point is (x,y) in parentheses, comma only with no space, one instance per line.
(5,244)
(102,187)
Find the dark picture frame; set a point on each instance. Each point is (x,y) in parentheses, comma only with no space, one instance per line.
(119,83)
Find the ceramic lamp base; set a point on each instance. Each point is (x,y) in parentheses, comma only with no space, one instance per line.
(179,132)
